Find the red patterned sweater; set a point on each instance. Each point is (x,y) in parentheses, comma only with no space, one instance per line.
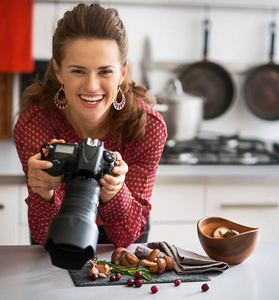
(125,216)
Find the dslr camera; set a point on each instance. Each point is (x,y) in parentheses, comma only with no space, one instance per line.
(73,234)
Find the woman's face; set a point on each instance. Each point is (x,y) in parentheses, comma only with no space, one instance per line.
(91,73)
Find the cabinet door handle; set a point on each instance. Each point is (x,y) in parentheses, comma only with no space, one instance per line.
(2,206)
(249,205)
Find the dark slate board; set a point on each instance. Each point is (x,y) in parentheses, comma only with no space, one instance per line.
(81,278)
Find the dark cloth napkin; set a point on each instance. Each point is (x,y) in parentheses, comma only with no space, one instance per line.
(185,262)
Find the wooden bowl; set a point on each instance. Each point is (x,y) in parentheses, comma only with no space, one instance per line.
(232,250)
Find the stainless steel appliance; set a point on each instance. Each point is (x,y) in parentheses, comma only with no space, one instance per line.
(182,112)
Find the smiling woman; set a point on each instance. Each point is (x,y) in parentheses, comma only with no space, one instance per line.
(85,93)
(91,74)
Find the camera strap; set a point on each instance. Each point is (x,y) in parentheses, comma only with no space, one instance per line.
(46,145)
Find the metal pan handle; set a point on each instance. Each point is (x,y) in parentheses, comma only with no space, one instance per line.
(272,32)
(206,33)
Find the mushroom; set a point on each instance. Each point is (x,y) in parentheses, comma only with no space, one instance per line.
(153,254)
(169,262)
(158,266)
(165,263)
(224,232)
(230,233)
(115,257)
(129,259)
(220,231)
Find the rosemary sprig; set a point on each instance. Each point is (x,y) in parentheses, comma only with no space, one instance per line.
(123,269)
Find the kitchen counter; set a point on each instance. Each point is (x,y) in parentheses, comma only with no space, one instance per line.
(27,273)
(219,173)
(11,170)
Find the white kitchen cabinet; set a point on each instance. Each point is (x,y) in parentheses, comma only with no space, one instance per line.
(8,215)
(178,205)
(176,208)
(250,205)
(24,232)
(13,215)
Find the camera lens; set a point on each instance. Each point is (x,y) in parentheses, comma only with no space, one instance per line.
(73,234)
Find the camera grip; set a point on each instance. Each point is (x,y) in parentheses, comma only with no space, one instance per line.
(107,164)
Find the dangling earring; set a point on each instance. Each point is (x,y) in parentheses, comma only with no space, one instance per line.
(120,105)
(58,103)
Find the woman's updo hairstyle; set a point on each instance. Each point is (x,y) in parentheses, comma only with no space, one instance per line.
(90,22)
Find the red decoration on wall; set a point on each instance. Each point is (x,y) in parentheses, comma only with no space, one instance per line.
(16,36)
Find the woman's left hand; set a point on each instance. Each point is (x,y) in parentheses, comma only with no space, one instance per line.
(111,185)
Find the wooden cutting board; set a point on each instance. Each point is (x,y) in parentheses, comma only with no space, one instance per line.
(82,279)
(5,105)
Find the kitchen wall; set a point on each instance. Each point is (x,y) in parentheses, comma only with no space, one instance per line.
(239,38)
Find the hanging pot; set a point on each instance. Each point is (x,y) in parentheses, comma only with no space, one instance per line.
(261,88)
(210,80)
(182,112)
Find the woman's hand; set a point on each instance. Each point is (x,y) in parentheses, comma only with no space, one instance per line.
(40,181)
(111,185)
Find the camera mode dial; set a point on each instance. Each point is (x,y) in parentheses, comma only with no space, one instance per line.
(56,164)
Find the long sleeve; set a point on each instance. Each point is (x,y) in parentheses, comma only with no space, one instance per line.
(31,131)
(125,216)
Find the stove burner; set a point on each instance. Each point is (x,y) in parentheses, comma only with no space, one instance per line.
(184,158)
(249,159)
(220,150)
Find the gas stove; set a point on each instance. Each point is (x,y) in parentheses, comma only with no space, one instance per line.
(220,150)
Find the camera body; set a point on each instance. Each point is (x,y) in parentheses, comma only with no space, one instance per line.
(87,159)
(73,234)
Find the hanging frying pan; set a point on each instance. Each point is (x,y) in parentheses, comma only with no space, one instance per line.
(209,80)
(261,89)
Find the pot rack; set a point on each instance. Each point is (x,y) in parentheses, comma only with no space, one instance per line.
(232,4)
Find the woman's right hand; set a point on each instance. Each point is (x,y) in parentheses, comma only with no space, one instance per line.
(40,181)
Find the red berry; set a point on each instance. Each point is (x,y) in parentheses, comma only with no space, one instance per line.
(154,289)
(130,282)
(205,287)
(177,282)
(138,283)
(118,276)
(94,276)
(112,278)
(138,275)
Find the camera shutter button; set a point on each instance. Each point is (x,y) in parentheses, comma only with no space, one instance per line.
(109,156)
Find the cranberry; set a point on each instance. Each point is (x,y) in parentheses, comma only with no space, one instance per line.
(112,278)
(138,283)
(177,282)
(205,287)
(94,276)
(154,289)
(138,275)
(118,276)
(130,282)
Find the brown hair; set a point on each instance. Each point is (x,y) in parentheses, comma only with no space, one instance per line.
(93,21)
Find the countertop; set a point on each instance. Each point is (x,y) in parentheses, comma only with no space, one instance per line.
(27,273)
(11,170)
